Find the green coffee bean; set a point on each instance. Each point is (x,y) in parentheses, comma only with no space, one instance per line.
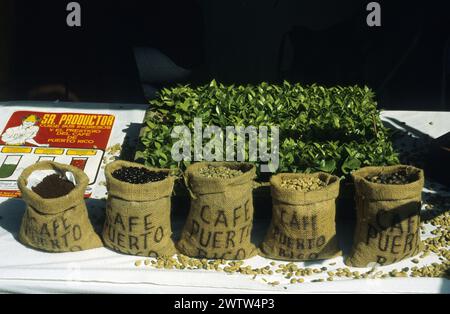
(219,172)
(303,184)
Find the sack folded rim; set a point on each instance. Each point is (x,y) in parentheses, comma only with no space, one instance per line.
(386,192)
(331,191)
(203,185)
(42,205)
(137,192)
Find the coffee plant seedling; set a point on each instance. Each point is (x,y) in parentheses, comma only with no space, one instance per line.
(335,130)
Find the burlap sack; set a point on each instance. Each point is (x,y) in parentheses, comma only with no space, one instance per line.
(220,220)
(138,215)
(388,218)
(303,224)
(57,224)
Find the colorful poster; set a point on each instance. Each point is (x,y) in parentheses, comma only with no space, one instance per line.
(79,139)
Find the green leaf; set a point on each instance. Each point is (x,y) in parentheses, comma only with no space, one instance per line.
(350,164)
(326,166)
(333,129)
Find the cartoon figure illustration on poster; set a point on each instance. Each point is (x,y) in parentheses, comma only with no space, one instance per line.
(24,133)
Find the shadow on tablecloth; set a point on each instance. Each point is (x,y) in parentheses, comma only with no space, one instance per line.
(11,212)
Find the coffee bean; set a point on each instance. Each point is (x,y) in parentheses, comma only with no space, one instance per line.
(137,175)
(304,184)
(400,177)
(220,172)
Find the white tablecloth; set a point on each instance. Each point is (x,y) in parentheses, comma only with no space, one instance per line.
(103,271)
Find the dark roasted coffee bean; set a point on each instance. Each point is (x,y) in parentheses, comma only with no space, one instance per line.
(136,175)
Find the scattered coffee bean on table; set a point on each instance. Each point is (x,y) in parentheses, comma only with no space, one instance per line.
(53,186)
(305,184)
(137,175)
(219,172)
(399,177)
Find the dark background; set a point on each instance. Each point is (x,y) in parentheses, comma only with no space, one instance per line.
(406,60)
